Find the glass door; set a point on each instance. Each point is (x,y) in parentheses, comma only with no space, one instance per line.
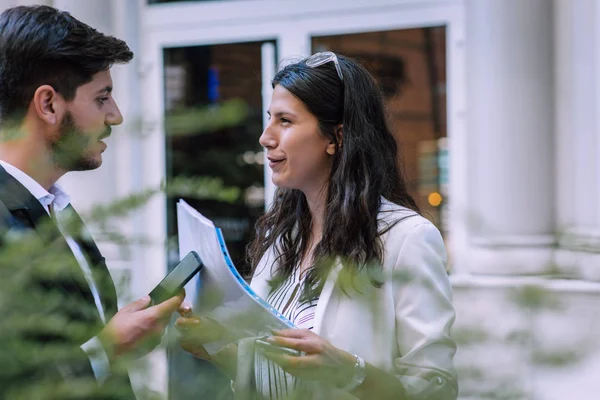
(214,60)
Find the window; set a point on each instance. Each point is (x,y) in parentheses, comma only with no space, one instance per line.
(410,65)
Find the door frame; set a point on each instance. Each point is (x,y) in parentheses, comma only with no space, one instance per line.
(291,27)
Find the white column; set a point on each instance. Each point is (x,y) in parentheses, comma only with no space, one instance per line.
(92,187)
(146,270)
(510,128)
(578,135)
(126,137)
(4,4)
(114,179)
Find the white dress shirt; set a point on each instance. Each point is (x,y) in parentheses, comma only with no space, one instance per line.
(55,201)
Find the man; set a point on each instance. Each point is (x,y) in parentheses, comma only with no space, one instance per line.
(62,336)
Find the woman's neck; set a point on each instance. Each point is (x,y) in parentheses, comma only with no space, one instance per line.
(316,206)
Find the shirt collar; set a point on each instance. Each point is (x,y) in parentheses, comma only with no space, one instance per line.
(56,195)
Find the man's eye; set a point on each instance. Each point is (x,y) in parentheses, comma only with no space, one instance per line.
(285,121)
(102,100)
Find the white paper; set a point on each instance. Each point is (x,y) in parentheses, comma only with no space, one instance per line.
(219,292)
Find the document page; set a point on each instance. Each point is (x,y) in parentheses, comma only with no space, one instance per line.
(219,292)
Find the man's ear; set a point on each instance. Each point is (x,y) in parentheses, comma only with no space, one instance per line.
(48,104)
(339,133)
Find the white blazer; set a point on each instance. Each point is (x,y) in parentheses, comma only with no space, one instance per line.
(402,327)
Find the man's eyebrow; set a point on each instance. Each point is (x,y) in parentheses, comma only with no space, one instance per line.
(107,89)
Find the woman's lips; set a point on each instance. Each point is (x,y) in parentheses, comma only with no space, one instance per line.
(274,162)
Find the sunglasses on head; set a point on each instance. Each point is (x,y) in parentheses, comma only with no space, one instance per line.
(318,59)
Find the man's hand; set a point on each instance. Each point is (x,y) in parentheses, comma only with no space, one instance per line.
(136,325)
(195,332)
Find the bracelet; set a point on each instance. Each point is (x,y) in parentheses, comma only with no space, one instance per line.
(360,373)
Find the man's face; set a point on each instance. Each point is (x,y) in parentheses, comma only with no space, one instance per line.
(88,120)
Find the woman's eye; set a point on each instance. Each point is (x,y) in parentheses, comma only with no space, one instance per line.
(285,121)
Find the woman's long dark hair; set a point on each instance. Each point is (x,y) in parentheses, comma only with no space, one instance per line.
(364,169)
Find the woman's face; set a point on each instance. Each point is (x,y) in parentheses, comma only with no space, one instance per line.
(299,155)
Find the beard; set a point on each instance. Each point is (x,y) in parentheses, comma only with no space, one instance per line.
(71,149)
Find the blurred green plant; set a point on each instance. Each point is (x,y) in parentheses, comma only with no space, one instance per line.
(38,329)
(43,324)
(194,121)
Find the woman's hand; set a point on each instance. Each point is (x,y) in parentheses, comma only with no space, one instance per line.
(322,361)
(195,332)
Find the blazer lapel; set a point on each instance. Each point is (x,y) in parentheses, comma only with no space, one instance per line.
(96,261)
(20,202)
(30,214)
(325,296)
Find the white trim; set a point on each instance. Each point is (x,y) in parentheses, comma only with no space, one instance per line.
(529,260)
(244,31)
(153,255)
(268,66)
(580,239)
(153,171)
(458,208)
(210,15)
(583,265)
(596,76)
(200,36)
(515,241)
(392,19)
(514,282)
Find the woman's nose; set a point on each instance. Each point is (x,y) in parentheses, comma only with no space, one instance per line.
(267,140)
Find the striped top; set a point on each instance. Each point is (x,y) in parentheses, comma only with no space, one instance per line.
(272,382)
(286,299)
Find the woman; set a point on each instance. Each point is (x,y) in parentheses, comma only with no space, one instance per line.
(342,252)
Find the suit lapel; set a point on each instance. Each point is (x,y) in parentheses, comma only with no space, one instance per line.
(30,214)
(20,202)
(97,263)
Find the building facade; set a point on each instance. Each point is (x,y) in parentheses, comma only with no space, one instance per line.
(495,104)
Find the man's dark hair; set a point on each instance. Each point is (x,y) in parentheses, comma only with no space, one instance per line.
(40,45)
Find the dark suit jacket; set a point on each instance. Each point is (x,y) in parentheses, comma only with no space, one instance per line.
(49,310)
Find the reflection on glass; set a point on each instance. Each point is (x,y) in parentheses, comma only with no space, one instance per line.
(410,66)
(213,122)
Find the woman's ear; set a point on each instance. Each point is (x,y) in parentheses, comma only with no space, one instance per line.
(339,133)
